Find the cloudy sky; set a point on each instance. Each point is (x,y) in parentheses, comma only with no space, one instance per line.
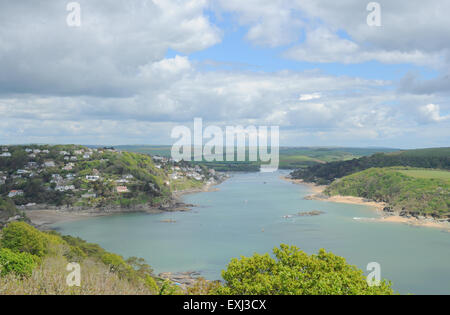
(134,69)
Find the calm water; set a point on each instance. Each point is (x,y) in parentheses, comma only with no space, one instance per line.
(246,216)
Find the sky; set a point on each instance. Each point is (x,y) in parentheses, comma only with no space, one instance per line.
(134,69)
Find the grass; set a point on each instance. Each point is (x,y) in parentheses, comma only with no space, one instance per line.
(404,189)
(50,279)
(430,174)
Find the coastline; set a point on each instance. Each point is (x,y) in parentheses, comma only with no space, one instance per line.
(378,206)
(43,218)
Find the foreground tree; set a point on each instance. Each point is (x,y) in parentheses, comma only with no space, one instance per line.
(293,272)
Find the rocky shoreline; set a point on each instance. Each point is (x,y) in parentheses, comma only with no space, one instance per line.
(44,216)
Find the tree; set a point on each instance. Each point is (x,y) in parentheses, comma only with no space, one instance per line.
(21,237)
(293,272)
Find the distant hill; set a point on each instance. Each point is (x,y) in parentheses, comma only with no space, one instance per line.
(290,157)
(437,158)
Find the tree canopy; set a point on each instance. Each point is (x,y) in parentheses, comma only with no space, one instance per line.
(293,272)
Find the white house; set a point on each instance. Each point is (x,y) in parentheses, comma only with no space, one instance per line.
(49,164)
(63,188)
(14,193)
(6,154)
(92,178)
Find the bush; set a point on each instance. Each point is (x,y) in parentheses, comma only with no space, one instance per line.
(294,272)
(21,264)
(21,237)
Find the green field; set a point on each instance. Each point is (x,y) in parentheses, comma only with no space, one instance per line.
(437,174)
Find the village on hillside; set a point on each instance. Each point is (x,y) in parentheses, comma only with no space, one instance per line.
(82,176)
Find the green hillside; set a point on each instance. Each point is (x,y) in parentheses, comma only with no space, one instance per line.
(415,191)
(77,176)
(437,158)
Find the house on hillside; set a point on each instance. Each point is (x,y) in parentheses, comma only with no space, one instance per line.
(122,189)
(49,164)
(5,154)
(92,178)
(15,193)
(63,188)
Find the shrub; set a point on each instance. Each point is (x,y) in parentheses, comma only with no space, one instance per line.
(21,237)
(21,264)
(294,272)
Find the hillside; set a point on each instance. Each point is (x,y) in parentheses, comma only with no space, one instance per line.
(76,176)
(407,191)
(324,174)
(290,157)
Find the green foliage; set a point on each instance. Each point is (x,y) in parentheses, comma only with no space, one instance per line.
(293,272)
(21,237)
(20,242)
(403,193)
(21,264)
(326,173)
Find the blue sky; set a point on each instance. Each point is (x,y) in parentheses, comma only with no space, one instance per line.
(131,72)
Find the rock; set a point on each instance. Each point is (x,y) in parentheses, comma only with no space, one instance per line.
(310,213)
(388,209)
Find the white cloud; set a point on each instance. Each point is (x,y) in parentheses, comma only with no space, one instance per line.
(431,113)
(309,97)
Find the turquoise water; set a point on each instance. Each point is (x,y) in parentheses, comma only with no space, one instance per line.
(246,216)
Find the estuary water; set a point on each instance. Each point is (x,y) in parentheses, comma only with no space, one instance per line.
(246,215)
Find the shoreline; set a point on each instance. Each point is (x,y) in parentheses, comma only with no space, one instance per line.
(378,206)
(45,218)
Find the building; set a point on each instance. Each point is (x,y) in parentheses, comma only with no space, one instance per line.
(63,188)
(32,165)
(14,193)
(122,189)
(92,178)
(87,196)
(68,167)
(49,164)
(6,154)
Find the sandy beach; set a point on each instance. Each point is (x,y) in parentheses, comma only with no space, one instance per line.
(378,206)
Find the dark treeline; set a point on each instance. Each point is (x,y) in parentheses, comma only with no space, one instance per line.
(324,174)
